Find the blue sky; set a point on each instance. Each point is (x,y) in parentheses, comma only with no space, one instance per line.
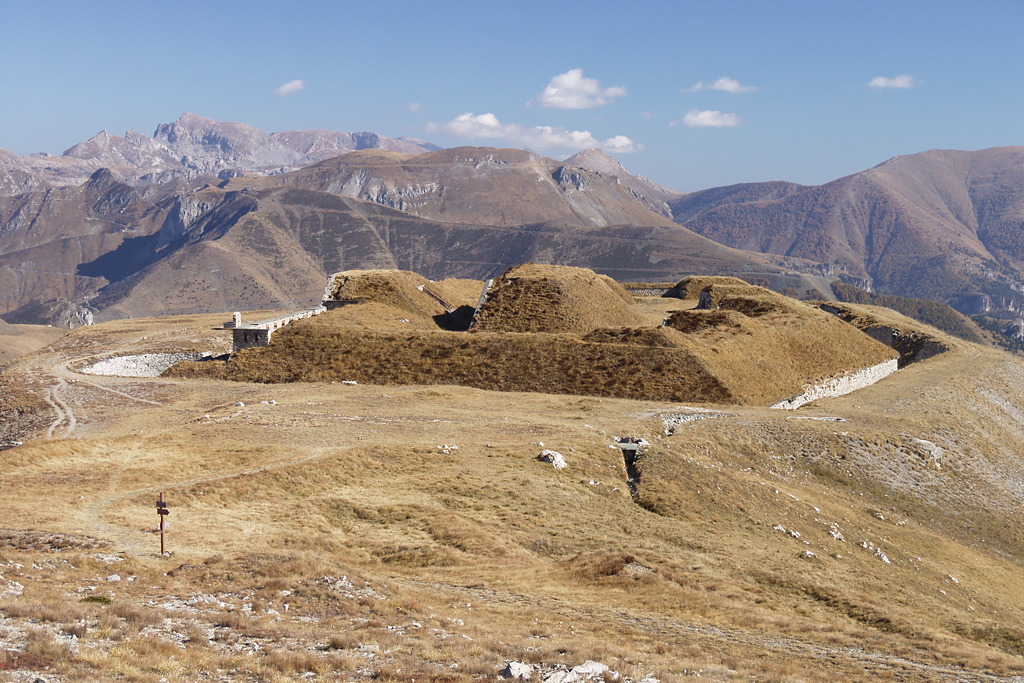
(689,94)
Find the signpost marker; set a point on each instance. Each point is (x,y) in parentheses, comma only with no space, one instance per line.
(161,509)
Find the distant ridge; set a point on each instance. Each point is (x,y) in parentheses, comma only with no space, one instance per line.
(189,147)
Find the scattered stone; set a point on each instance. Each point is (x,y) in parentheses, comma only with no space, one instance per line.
(553,457)
(446,449)
(590,668)
(807,554)
(672,421)
(641,443)
(833,529)
(517,670)
(113,578)
(349,382)
(239,405)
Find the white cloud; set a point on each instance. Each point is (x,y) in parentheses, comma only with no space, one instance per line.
(471,126)
(725,84)
(708,118)
(902,81)
(413,106)
(289,88)
(572,90)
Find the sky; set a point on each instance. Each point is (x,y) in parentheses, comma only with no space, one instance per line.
(691,94)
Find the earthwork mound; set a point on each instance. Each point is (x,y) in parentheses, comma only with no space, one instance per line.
(400,289)
(537,298)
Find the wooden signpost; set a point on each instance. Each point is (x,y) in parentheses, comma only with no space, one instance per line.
(161,509)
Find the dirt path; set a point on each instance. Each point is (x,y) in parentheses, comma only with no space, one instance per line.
(64,415)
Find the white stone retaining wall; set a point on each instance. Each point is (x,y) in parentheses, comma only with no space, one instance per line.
(843,384)
(142,365)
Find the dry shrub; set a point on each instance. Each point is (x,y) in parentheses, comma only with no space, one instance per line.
(38,609)
(76,630)
(233,620)
(137,616)
(40,643)
(297,661)
(690,322)
(196,634)
(415,556)
(153,648)
(25,539)
(346,640)
(598,565)
(634,336)
(1006,638)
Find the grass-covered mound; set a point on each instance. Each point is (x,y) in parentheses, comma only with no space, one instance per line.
(540,298)
(765,346)
(566,331)
(403,290)
(691,287)
(319,350)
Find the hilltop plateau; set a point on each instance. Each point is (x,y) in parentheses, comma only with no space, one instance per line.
(334,530)
(564,330)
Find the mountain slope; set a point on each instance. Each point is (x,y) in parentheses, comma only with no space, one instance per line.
(274,247)
(944,225)
(481,185)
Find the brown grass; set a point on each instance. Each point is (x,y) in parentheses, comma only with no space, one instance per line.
(483,554)
(535,298)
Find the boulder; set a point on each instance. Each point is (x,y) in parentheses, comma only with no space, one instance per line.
(518,671)
(553,457)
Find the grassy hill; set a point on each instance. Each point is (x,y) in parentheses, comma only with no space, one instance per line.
(566,330)
(389,532)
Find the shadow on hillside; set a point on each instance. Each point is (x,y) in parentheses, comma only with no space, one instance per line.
(458,320)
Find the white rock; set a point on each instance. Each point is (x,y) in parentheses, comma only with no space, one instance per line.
(239,405)
(561,677)
(553,457)
(113,577)
(518,671)
(589,668)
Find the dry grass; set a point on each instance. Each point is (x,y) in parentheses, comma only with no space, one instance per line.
(536,298)
(397,559)
(761,350)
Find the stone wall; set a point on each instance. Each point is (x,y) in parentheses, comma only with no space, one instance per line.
(843,384)
(141,365)
(247,335)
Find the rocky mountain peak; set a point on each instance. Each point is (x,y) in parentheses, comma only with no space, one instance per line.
(597,160)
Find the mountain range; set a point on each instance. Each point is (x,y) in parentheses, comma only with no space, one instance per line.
(207,215)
